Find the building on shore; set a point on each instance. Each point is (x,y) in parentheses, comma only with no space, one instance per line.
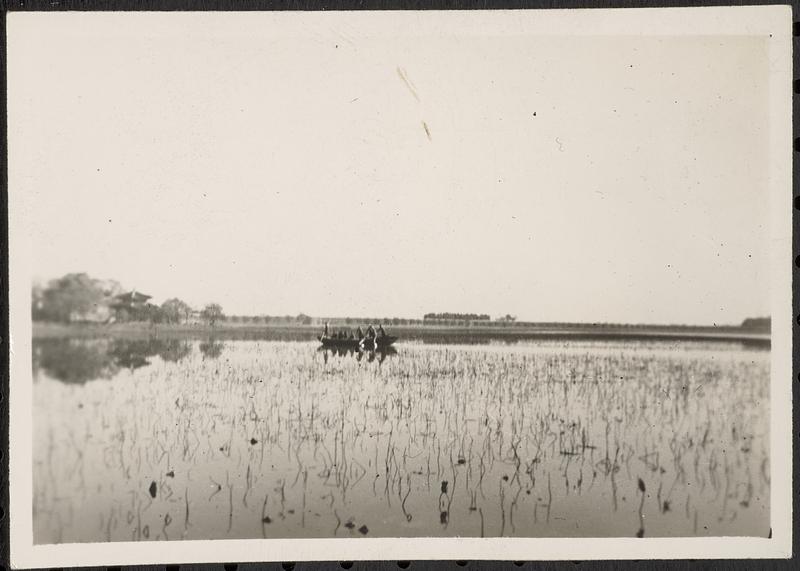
(130,306)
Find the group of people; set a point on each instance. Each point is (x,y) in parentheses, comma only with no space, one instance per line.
(372,333)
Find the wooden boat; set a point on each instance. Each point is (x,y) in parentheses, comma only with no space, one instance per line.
(366,343)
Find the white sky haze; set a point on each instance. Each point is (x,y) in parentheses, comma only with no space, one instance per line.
(277,168)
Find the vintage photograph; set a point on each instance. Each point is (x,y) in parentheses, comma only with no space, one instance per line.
(445,275)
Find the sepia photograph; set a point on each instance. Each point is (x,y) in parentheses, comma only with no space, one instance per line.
(483,283)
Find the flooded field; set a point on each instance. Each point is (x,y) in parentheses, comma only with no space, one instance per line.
(189,439)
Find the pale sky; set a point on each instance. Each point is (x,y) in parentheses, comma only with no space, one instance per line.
(279,169)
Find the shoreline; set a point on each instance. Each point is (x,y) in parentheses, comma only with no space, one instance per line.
(433,333)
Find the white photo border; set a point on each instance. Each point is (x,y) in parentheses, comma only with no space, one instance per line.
(772,22)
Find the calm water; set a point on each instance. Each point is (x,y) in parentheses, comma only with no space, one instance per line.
(181,439)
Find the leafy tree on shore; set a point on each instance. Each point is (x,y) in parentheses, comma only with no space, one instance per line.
(72,297)
(757,323)
(213,313)
(175,310)
(153,313)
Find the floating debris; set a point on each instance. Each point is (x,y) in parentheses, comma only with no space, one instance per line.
(153,489)
(363,530)
(171,473)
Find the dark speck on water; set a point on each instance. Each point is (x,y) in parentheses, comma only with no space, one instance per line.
(171,473)
(153,489)
(363,530)
(444,487)
(349,525)
(253,441)
(505,478)
(641,485)
(267,519)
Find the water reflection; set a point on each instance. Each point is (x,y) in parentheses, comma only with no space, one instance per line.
(80,360)
(379,355)
(74,360)
(133,354)
(175,349)
(212,348)
(268,441)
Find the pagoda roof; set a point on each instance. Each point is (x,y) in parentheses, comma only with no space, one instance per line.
(132,297)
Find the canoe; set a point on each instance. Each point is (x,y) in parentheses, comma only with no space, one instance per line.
(365,343)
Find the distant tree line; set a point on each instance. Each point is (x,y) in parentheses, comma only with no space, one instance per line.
(458,316)
(79,298)
(301,319)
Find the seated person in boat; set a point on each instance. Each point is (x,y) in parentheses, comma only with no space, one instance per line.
(359,333)
(381,331)
(370,332)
